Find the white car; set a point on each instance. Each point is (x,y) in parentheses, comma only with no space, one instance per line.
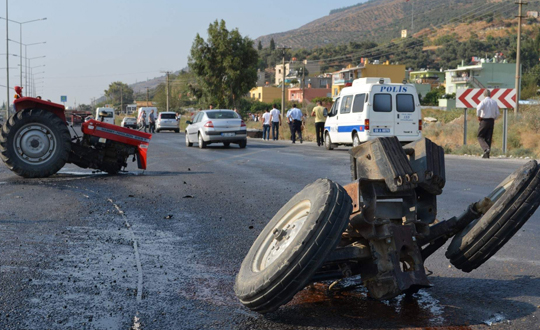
(372,108)
(216,126)
(168,121)
(129,122)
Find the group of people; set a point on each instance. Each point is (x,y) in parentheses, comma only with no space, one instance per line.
(151,125)
(296,121)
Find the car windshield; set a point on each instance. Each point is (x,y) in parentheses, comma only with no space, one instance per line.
(222,115)
(168,116)
(129,119)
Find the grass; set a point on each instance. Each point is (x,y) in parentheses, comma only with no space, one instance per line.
(308,134)
(522,138)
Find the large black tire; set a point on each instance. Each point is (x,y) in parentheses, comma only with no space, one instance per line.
(35,143)
(515,201)
(316,217)
(242,144)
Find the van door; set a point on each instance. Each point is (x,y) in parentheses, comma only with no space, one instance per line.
(345,122)
(332,121)
(406,117)
(381,117)
(358,116)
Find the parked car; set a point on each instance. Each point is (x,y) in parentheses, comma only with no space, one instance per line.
(216,126)
(168,121)
(129,122)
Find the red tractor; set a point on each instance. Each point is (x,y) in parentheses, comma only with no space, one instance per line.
(35,142)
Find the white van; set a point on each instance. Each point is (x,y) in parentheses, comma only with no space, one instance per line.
(147,111)
(372,108)
(110,115)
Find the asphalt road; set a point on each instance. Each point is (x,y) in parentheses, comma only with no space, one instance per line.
(160,249)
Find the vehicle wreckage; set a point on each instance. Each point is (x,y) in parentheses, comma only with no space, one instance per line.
(382,226)
(35,141)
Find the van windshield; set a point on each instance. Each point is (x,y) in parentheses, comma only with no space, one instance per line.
(382,102)
(107,114)
(405,103)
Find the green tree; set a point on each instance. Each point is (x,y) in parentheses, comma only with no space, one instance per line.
(259,46)
(224,66)
(272,45)
(118,93)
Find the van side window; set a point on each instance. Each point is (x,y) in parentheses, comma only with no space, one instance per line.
(333,110)
(382,102)
(346,104)
(405,103)
(358,105)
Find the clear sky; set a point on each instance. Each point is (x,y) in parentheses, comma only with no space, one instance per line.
(91,43)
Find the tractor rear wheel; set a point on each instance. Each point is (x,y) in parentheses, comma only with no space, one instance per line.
(35,143)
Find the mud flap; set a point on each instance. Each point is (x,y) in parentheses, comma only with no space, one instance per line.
(141,156)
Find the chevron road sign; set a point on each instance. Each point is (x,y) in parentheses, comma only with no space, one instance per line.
(471,97)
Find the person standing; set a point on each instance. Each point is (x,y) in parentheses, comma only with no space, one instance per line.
(152,121)
(142,120)
(487,112)
(211,106)
(296,117)
(266,119)
(276,122)
(320,113)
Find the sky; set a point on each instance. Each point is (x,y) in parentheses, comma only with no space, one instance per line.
(90,44)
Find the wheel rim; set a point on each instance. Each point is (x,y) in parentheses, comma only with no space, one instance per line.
(187,139)
(283,234)
(200,140)
(327,140)
(35,143)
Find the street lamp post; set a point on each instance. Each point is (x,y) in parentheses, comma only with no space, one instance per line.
(26,58)
(20,28)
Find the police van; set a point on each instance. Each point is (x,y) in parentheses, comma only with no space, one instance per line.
(372,108)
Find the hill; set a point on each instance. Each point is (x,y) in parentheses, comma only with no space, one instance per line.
(383,20)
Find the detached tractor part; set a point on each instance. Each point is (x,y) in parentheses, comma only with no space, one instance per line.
(35,142)
(382,227)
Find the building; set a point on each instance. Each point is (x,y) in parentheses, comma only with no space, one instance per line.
(433,77)
(532,13)
(480,73)
(279,72)
(345,77)
(144,104)
(266,94)
(312,68)
(403,34)
(308,94)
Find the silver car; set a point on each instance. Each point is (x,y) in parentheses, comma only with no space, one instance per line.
(168,121)
(216,126)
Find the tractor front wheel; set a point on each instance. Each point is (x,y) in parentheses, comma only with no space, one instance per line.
(35,143)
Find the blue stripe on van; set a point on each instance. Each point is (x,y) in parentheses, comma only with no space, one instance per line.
(349,129)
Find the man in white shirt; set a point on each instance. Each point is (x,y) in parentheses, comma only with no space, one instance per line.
(296,117)
(276,122)
(487,112)
(266,117)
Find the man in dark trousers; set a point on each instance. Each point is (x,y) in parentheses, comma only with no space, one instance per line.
(296,117)
(487,111)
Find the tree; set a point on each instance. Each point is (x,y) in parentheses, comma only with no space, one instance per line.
(119,93)
(259,46)
(272,45)
(224,66)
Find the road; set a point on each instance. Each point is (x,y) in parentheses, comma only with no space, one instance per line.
(160,249)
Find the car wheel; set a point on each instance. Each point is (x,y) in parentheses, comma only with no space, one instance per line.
(356,140)
(293,246)
(202,144)
(226,144)
(188,144)
(328,142)
(242,144)
(515,200)
(177,131)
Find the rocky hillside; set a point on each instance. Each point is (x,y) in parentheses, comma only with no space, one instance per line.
(383,20)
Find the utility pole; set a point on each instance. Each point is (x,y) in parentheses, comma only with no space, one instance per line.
(283,49)
(167,91)
(520,4)
(147,93)
(7,64)
(412,18)
(303,85)
(121,99)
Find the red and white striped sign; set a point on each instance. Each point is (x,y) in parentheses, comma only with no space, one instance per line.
(471,97)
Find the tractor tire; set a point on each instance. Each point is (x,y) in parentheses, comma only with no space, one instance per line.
(328,142)
(188,143)
(515,200)
(306,229)
(35,143)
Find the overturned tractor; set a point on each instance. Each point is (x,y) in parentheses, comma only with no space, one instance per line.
(382,226)
(35,142)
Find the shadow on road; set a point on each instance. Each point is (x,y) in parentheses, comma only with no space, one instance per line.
(472,301)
